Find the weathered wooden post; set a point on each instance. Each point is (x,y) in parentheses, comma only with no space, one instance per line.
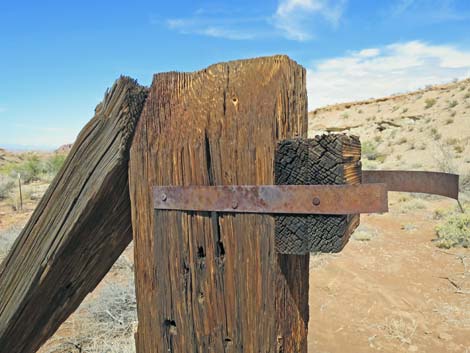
(214,282)
(78,230)
(210,282)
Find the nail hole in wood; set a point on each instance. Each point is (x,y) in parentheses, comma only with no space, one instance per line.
(171,326)
(200,252)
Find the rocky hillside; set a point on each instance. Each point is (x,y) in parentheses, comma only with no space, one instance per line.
(427,129)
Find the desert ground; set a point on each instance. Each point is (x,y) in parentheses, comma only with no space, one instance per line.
(402,284)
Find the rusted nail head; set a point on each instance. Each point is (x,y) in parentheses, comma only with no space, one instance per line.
(234,204)
(163,197)
(316,201)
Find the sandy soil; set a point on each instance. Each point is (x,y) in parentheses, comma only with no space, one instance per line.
(397,292)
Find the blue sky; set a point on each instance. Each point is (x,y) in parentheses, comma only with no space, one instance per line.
(58,57)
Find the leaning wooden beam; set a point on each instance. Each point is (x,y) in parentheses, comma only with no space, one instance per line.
(325,159)
(78,230)
(213,282)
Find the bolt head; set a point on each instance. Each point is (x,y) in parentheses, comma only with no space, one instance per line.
(163,197)
(234,204)
(316,201)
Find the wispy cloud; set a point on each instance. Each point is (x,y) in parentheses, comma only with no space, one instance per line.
(235,29)
(220,23)
(429,11)
(295,18)
(292,19)
(3,109)
(381,71)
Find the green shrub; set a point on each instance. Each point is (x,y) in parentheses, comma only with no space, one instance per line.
(454,232)
(464,182)
(458,149)
(453,104)
(30,169)
(369,150)
(6,186)
(452,141)
(54,163)
(428,103)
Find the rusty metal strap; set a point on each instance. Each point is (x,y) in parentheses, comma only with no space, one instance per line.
(287,199)
(443,184)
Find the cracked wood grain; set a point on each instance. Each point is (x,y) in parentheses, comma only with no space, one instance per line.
(323,160)
(78,230)
(207,281)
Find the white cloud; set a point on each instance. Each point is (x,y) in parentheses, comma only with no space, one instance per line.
(219,25)
(377,72)
(426,11)
(293,19)
(296,17)
(210,28)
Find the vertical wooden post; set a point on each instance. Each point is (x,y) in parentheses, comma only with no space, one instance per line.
(212,282)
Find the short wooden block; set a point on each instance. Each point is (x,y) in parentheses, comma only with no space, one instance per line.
(326,159)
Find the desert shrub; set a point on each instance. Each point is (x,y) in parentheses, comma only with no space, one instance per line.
(453,113)
(458,149)
(345,115)
(413,205)
(54,163)
(467,95)
(449,121)
(369,150)
(428,103)
(444,160)
(435,134)
(453,104)
(454,232)
(6,186)
(451,141)
(361,235)
(438,214)
(464,182)
(404,110)
(402,140)
(30,169)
